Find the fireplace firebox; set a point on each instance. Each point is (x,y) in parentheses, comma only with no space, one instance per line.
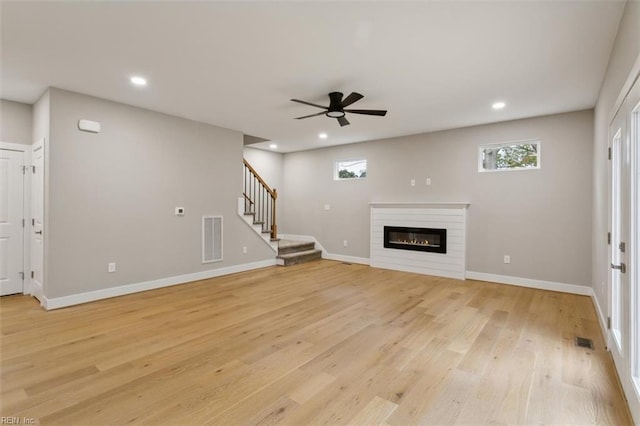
(418,239)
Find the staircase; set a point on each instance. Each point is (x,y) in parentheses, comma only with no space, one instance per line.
(258,209)
(295,252)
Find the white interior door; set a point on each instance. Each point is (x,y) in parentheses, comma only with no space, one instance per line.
(11,222)
(37,221)
(624,258)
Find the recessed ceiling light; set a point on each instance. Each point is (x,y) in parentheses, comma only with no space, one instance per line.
(273,146)
(498,105)
(138,81)
(323,135)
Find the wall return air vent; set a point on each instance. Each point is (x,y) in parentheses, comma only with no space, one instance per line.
(211,239)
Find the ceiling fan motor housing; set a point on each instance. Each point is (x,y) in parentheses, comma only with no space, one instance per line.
(335,105)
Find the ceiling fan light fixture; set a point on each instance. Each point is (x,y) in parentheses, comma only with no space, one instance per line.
(335,114)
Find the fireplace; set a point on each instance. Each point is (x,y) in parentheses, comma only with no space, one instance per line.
(418,239)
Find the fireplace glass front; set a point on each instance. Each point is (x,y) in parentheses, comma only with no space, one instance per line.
(418,239)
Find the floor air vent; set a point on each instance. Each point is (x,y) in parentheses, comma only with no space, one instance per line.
(583,342)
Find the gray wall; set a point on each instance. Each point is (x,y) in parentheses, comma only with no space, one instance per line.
(112,195)
(625,52)
(541,218)
(15,122)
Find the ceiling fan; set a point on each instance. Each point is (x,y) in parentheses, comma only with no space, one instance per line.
(336,108)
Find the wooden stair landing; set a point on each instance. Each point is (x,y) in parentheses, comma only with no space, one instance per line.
(294,252)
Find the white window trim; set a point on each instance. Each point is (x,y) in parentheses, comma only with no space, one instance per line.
(510,143)
(335,168)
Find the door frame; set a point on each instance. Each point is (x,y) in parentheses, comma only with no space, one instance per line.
(38,292)
(630,389)
(619,206)
(26,211)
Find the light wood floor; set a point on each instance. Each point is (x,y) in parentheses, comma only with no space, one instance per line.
(318,343)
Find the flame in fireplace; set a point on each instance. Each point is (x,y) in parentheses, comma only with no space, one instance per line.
(415,242)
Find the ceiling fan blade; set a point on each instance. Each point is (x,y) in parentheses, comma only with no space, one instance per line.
(343,121)
(311,115)
(353,97)
(367,111)
(309,103)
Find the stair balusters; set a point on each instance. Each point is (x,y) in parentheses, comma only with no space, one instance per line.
(260,200)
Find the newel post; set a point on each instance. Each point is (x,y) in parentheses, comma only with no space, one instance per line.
(274,227)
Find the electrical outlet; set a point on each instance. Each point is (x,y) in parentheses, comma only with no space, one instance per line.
(427,181)
(111,267)
(413,182)
(344,243)
(507,258)
(244,249)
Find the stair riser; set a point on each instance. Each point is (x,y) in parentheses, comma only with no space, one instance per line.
(293,249)
(300,259)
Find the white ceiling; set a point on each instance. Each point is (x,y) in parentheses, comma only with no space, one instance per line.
(433,65)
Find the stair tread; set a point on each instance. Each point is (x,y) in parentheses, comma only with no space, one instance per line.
(298,254)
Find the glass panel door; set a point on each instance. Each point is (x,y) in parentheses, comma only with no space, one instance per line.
(624,289)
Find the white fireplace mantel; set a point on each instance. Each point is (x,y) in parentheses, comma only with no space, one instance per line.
(447,215)
(420,204)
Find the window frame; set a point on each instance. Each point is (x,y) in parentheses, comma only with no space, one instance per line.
(336,168)
(482,147)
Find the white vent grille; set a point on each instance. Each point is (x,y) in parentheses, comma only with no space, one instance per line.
(211,239)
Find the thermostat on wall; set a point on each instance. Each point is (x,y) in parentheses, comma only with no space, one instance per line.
(179,211)
(89,126)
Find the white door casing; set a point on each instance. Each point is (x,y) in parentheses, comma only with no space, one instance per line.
(11,222)
(37,222)
(618,276)
(623,288)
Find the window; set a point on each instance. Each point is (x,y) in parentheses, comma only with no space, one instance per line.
(350,169)
(521,155)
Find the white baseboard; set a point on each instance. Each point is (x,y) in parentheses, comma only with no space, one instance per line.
(91,296)
(602,319)
(348,259)
(531,283)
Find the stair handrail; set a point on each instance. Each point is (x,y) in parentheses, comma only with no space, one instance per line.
(266,212)
(273,192)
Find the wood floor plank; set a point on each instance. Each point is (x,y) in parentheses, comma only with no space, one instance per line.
(317,343)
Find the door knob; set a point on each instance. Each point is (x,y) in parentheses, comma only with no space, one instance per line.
(39,232)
